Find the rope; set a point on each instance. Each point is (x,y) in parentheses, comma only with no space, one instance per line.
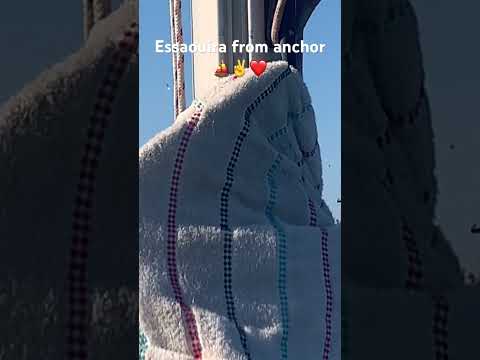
(277,20)
(87,18)
(93,12)
(174,59)
(177,58)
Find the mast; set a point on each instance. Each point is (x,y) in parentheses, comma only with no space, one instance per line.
(250,22)
(217,22)
(256,26)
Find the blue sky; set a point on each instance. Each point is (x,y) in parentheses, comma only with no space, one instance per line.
(321,74)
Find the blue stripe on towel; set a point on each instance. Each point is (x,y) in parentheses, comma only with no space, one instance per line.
(281,254)
(224,209)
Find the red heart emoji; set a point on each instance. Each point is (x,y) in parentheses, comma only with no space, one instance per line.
(258,67)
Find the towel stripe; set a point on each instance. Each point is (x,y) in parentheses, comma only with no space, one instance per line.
(414,280)
(224,207)
(327,281)
(441,310)
(187,313)
(291,118)
(313,213)
(78,295)
(329,297)
(281,255)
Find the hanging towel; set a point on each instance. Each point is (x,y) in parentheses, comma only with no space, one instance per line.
(239,254)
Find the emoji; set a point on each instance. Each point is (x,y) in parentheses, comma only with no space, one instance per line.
(222,70)
(239,69)
(258,67)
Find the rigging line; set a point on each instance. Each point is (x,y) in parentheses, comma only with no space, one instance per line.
(180,56)
(177,57)
(174,60)
(277,20)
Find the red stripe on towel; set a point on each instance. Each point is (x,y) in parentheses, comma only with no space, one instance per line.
(187,313)
(78,306)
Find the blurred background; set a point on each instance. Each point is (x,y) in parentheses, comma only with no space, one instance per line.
(34,40)
(448,36)
(321,74)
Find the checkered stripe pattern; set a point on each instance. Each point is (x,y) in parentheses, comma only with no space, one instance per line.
(313,212)
(291,117)
(280,132)
(174,58)
(308,154)
(224,209)
(414,281)
(327,343)
(281,255)
(440,328)
(415,266)
(311,153)
(77,323)
(328,285)
(187,313)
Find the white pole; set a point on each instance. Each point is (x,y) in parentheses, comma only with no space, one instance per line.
(206,29)
(240,28)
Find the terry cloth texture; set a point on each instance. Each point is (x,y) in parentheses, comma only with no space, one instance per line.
(44,143)
(403,295)
(239,254)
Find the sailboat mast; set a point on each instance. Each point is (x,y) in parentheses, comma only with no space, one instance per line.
(222,22)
